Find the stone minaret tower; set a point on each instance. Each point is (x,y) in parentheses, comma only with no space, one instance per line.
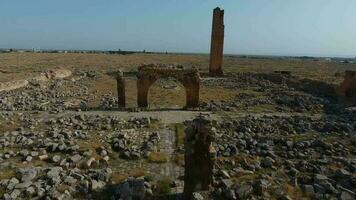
(217,43)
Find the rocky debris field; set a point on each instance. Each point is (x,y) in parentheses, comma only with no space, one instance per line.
(254,92)
(72,156)
(287,157)
(273,92)
(279,137)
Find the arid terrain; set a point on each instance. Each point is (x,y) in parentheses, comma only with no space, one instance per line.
(277,135)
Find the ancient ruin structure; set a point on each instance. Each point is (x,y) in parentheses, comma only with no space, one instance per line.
(120,89)
(347,89)
(199,156)
(217,43)
(148,74)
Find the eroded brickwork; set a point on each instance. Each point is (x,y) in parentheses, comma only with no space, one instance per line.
(217,43)
(121,89)
(199,156)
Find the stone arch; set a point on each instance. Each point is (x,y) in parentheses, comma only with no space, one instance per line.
(149,74)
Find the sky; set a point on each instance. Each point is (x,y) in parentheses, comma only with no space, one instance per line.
(256,27)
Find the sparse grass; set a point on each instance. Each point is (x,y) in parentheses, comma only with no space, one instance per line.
(7,173)
(163,186)
(153,126)
(149,177)
(35,162)
(251,92)
(217,94)
(179,159)
(157,157)
(159,97)
(180,134)
(92,143)
(245,178)
(118,177)
(264,108)
(293,192)
(303,137)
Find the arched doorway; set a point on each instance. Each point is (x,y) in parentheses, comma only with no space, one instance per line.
(149,74)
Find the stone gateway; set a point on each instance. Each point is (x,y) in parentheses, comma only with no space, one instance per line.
(148,74)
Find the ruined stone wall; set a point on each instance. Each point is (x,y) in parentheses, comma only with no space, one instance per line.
(199,156)
(217,43)
(148,74)
(347,89)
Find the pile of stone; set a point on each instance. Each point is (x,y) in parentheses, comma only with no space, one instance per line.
(278,91)
(133,188)
(54,182)
(253,135)
(49,97)
(264,153)
(108,102)
(133,146)
(99,122)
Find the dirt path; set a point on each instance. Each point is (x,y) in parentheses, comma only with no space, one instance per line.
(169,169)
(166,117)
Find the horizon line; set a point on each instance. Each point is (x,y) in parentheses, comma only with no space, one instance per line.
(188,52)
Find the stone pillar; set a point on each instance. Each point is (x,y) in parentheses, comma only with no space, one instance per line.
(217,43)
(192,96)
(192,87)
(143,86)
(199,156)
(121,89)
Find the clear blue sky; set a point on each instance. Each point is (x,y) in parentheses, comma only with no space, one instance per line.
(273,27)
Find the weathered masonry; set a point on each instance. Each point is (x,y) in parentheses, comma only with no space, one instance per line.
(121,96)
(347,89)
(217,43)
(199,156)
(148,74)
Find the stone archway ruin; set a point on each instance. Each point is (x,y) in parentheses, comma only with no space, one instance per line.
(148,74)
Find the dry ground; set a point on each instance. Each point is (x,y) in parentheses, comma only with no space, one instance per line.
(20,65)
(15,66)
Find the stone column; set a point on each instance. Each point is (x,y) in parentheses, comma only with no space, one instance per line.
(192,96)
(121,89)
(192,87)
(143,86)
(217,43)
(199,157)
